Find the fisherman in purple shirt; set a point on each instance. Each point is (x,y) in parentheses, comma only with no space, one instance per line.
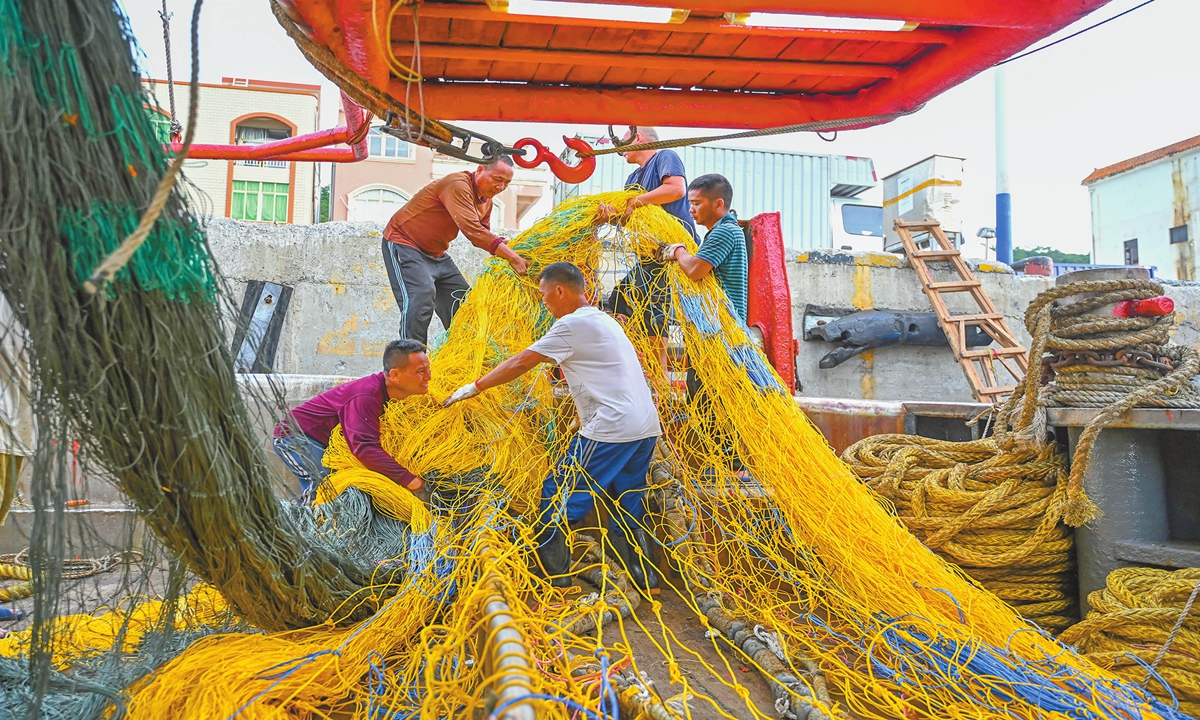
(301,438)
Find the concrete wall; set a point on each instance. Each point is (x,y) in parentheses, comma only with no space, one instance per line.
(342,312)
(886,281)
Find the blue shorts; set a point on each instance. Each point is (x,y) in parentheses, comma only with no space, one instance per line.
(590,467)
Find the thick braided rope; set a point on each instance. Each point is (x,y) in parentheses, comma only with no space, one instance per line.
(1067,328)
(23,589)
(1141,621)
(996,513)
(1187,608)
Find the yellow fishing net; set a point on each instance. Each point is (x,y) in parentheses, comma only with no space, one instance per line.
(794,561)
(82,636)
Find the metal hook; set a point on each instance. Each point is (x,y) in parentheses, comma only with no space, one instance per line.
(562,171)
(633,131)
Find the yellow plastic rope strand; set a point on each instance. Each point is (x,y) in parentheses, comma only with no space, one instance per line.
(388,498)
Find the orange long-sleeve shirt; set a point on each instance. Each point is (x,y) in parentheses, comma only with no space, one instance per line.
(437,213)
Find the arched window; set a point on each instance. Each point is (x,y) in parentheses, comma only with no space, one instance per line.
(259,130)
(375,204)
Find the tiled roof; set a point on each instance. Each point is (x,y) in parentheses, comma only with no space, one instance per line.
(1144,159)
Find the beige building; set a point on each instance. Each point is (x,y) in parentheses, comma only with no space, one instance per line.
(374,189)
(242,111)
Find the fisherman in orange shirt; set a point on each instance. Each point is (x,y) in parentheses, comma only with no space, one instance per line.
(424,278)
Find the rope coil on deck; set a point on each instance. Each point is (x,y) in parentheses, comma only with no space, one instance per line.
(15,566)
(23,589)
(1138,628)
(997,514)
(1000,507)
(1066,328)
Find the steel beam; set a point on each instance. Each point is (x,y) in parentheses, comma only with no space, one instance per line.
(618,106)
(653,62)
(310,147)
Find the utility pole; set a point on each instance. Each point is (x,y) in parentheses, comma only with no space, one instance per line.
(1003,198)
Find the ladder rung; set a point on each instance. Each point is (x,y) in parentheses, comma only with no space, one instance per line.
(994,351)
(997,390)
(921,224)
(975,318)
(957,286)
(936,254)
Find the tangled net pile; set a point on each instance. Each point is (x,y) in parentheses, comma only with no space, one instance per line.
(802,569)
(840,588)
(1143,627)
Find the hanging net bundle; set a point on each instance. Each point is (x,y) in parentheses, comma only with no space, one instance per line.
(368,606)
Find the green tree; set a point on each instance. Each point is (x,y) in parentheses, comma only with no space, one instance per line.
(1056,255)
(323,213)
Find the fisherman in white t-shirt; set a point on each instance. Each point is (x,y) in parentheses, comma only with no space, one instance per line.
(617,418)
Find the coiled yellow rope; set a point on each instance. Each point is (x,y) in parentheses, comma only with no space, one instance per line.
(83,636)
(1130,621)
(20,590)
(995,513)
(388,498)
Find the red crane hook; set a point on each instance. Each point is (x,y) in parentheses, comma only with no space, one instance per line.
(561,170)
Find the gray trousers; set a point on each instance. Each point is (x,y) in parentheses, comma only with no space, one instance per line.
(423,285)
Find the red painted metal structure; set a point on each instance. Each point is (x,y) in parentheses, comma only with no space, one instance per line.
(769,304)
(482,64)
(479,64)
(567,173)
(312,147)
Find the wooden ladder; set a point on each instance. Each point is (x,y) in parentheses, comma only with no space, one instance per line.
(979,364)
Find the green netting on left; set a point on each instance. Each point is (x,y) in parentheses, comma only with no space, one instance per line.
(172,260)
(134,386)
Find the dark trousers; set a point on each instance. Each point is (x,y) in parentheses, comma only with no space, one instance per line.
(591,469)
(643,293)
(423,285)
(302,455)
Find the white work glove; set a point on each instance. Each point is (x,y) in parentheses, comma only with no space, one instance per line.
(469,390)
(666,253)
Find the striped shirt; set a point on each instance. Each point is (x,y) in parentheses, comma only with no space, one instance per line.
(724,247)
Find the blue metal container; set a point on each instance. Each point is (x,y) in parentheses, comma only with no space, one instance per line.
(797,185)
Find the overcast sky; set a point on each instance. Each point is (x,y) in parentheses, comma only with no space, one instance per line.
(1120,90)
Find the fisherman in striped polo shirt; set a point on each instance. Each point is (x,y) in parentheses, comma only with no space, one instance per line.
(723,250)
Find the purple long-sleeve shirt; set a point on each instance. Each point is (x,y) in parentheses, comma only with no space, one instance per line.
(357,406)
